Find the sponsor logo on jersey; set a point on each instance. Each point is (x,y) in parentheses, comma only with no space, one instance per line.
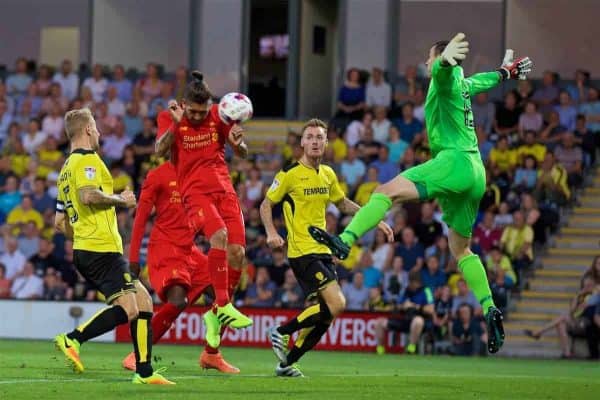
(274,185)
(317,190)
(90,172)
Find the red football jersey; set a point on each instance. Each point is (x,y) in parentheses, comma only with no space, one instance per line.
(198,153)
(160,191)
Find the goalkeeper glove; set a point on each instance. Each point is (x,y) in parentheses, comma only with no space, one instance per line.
(456,50)
(518,68)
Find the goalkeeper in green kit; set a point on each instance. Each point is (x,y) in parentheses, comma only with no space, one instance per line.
(455,176)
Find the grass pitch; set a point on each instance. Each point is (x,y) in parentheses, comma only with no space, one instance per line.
(35,370)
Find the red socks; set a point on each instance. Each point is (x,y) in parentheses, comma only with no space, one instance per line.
(234,279)
(162,320)
(217,268)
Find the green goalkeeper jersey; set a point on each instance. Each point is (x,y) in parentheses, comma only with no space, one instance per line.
(448,112)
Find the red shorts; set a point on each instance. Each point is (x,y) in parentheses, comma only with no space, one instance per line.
(215,211)
(170,265)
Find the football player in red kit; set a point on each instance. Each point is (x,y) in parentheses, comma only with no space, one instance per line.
(195,135)
(178,270)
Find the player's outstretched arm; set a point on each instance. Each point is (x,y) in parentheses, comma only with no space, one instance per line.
(510,68)
(142,214)
(90,195)
(167,123)
(274,240)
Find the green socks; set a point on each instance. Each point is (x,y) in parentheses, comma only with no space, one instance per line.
(366,218)
(476,279)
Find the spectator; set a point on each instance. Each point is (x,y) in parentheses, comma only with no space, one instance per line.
(50,159)
(254,187)
(68,80)
(43,258)
(279,267)
(53,123)
(11,105)
(386,169)
(586,139)
(4,283)
(289,295)
(382,252)
(502,157)
(337,144)
(526,175)
(371,275)
(141,103)
(11,196)
(395,281)
(54,288)
(531,147)
(115,144)
(21,215)
(116,107)
(484,112)
(27,181)
(427,229)
(487,234)
(367,147)
(43,81)
(56,97)
(419,111)
(87,98)
(396,146)
(406,87)
(5,120)
(433,277)
(161,102)
(547,96)
(591,110)
(144,141)
(411,251)
(17,83)
(29,240)
(417,304)
(27,286)
(498,261)
(262,292)
(123,85)
(376,301)
(378,91)
(364,190)
(530,120)
(356,293)
(351,97)
(517,241)
(552,185)
(507,115)
(566,110)
(97,83)
(151,85)
(410,127)
(579,90)
(34,137)
(121,180)
(180,82)
(355,131)
(468,336)
(441,315)
(29,106)
(12,259)
(441,251)
(381,125)
(271,159)
(465,296)
(571,158)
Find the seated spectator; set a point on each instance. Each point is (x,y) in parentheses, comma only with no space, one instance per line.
(337,144)
(539,220)
(442,313)
(552,187)
(23,115)
(351,97)
(53,124)
(502,156)
(547,95)
(500,286)
(441,251)
(485,145)
(355,131)
(19,216)
(571,158)
(11,105)
(254,186)
(54,288)
(530,120)
(29,240)
(433,277)
(566,110)
(484,112)
(367,148)
(5,119)
(580,88)
(138,99)
(279,267)
(416,304)
(44,259)
(123,85)
(531,147)
(406,87)
(97,83)
(27,181)
(411,251)
(386,169)
(11,196)
(271,159)
(507,115)
(410,128)
(50,159)
(492,196)
(468,336)
(465,296)
(116,106)
(356,293)
(289,294)
(56,98)
(552,132)
(365,189)
(428,229)
(87,99)
(34,137)
(121,180)
(27,286)
(419,111)
(395,281)
(397,147)
(591,110)
(134,124)
(572,322)
(487,234)
(498,261)
(376,301)
(292,140)
(161,102)
(150,85)
(353,169)
(4,283)
(381,125)
(262,292)
(382,252)
(526,175)
(29,106)
(67,80)
(144,141)
(378,91)
(586,139)
(371,275)
(115,144)
(517,243)
(17,82)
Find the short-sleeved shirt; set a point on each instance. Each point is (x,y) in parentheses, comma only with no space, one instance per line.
(94,227)
(513,239)
(305,193)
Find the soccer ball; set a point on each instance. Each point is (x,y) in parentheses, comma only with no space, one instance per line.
(235,108)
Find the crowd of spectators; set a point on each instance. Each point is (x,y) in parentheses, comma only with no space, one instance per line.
(536,143)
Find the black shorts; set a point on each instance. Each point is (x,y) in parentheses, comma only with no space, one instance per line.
(313,272)
(108,272)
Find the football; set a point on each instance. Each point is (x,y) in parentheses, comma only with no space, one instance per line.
(235,108)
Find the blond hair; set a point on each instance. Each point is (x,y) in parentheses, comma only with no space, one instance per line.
(76,121)
(314,123)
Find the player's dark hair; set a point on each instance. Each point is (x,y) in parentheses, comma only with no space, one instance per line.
(197,90)
(314,123)
(440,46)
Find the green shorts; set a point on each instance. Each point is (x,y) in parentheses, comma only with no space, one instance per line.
(456,179)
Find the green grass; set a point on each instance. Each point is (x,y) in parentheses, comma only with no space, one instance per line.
(34,370)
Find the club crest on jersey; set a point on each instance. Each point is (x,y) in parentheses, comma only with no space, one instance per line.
(90,172)
(274,185)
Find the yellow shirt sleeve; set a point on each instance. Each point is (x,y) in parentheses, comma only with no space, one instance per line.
(335,192)
(278,188)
